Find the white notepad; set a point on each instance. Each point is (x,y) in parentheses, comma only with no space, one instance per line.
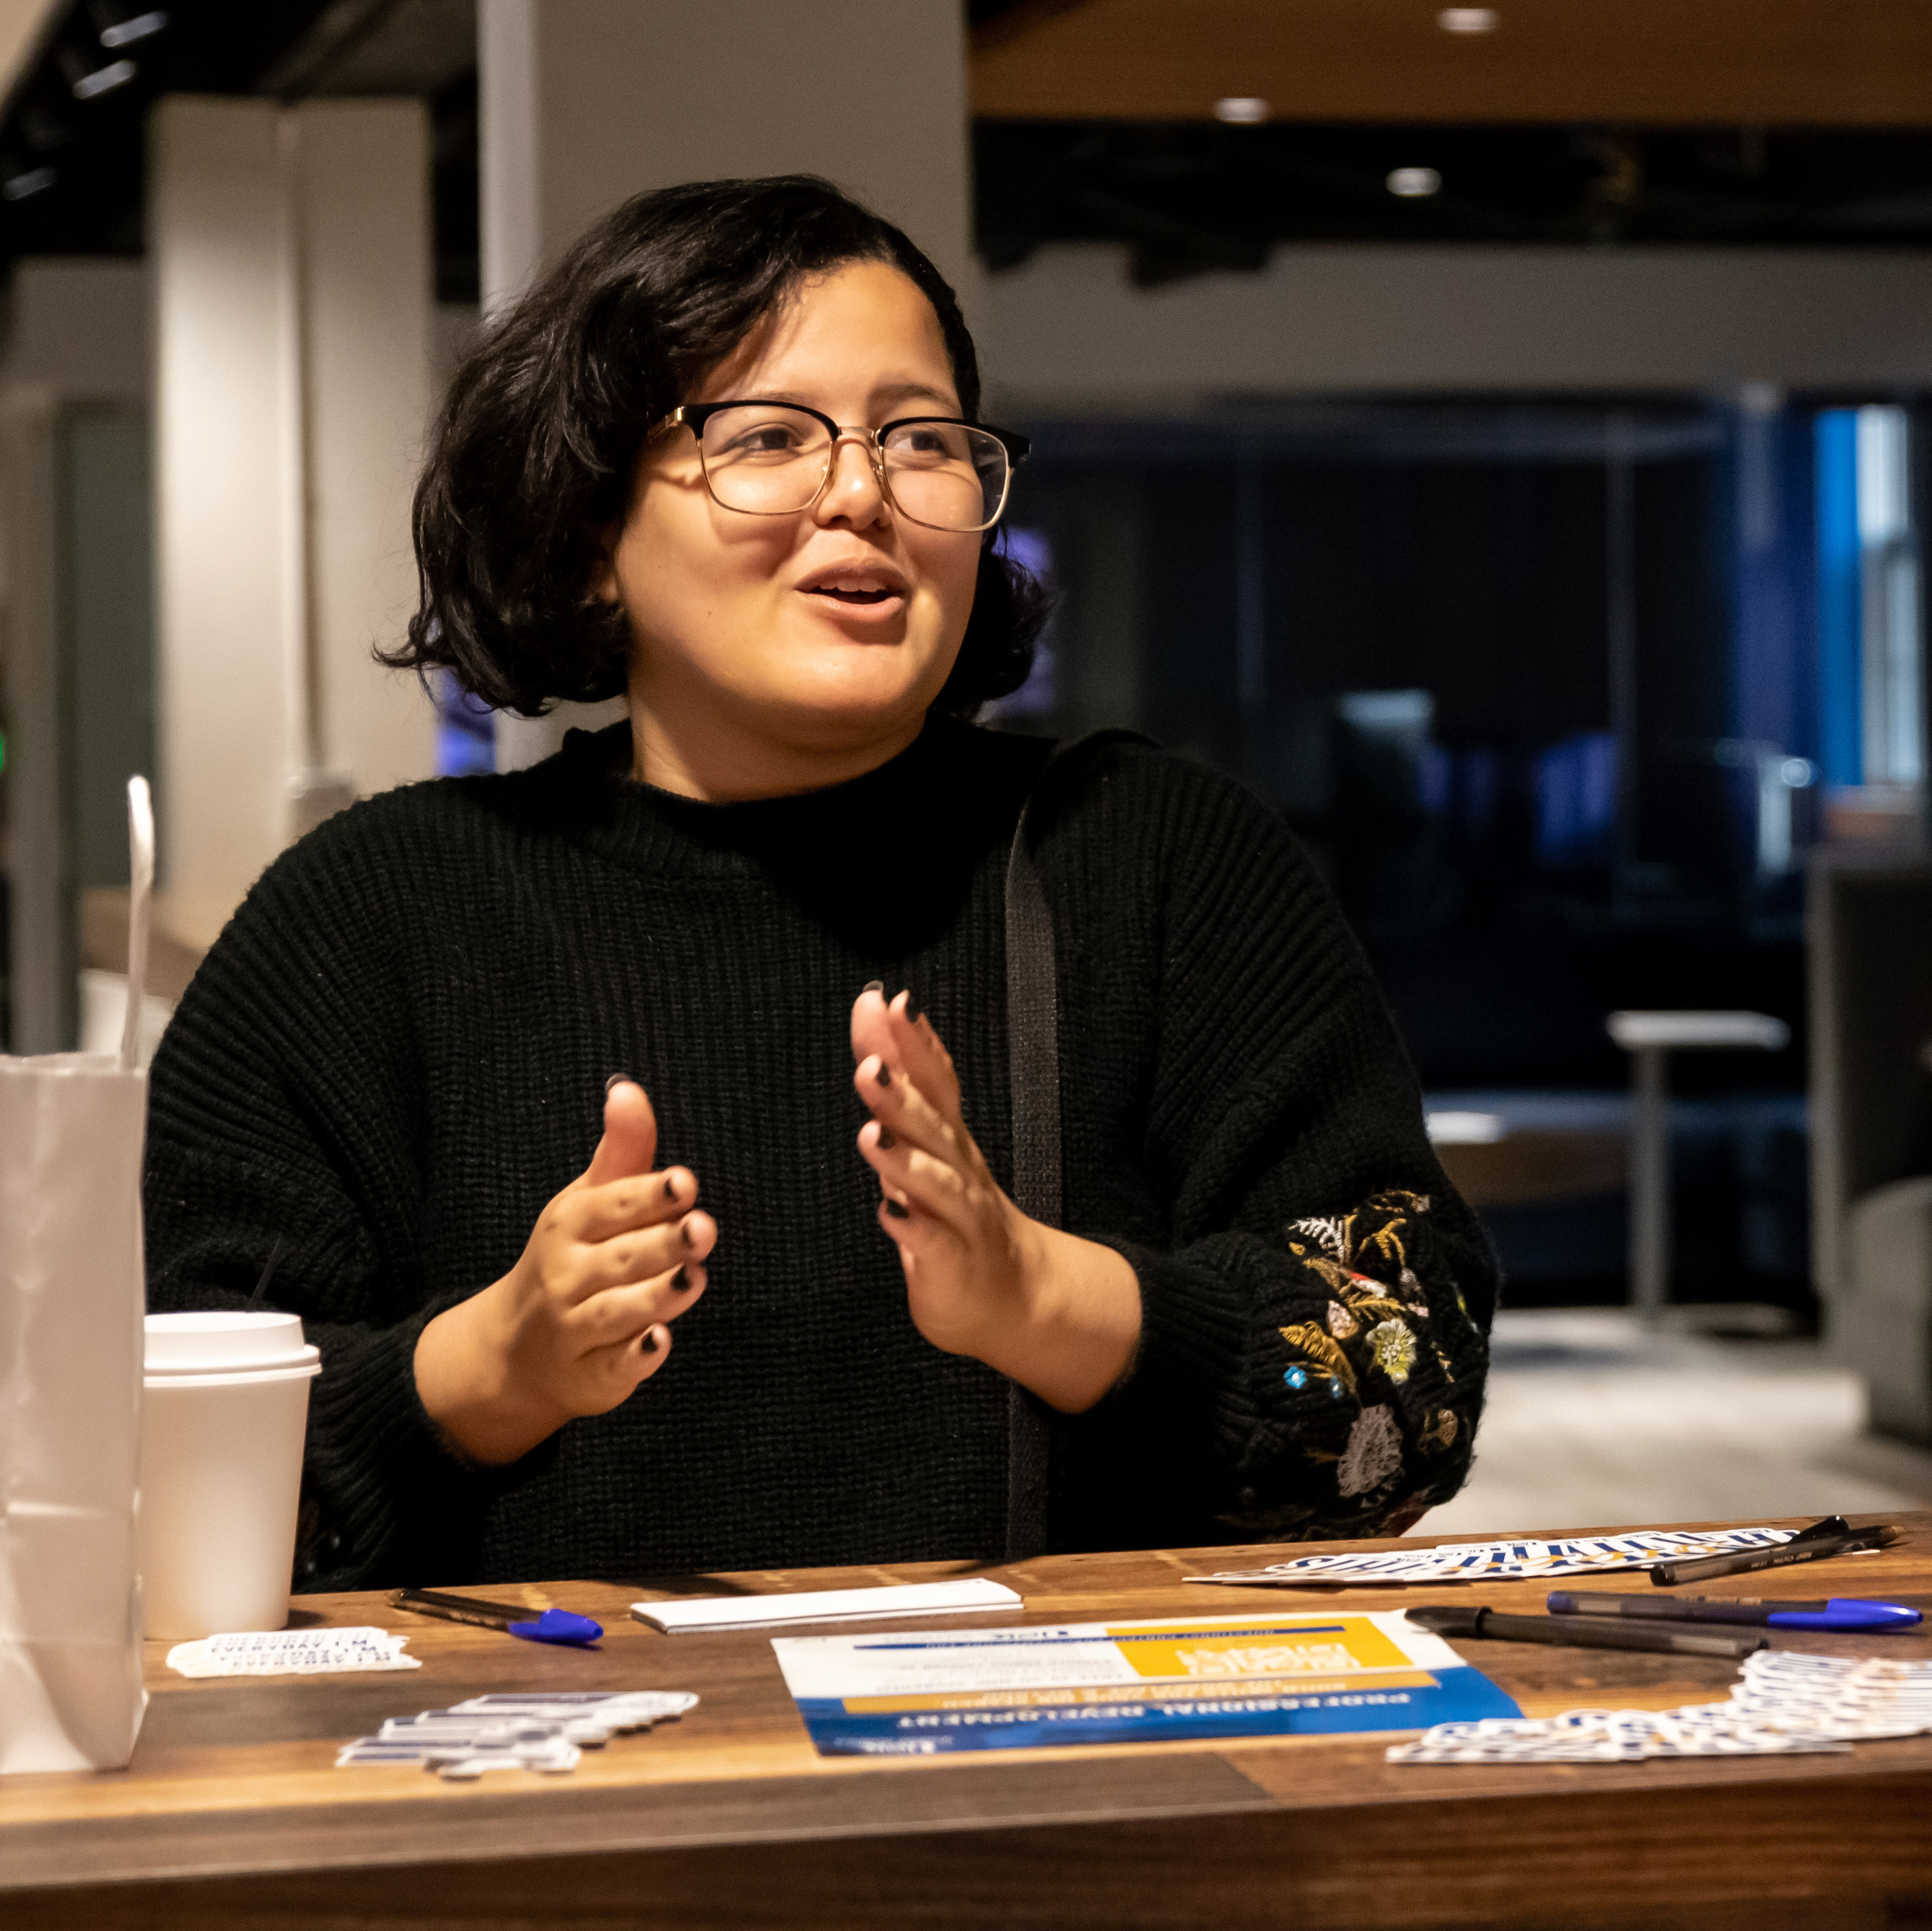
(689,1614)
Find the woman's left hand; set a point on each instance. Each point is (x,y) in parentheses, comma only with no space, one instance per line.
(1059,1314)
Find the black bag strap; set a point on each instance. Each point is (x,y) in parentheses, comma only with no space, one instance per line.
(1033,1056)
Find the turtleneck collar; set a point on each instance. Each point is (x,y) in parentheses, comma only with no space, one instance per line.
(894,845)
(604,758)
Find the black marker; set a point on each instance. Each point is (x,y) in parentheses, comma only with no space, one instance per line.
(1581,1631)
(1706,1568)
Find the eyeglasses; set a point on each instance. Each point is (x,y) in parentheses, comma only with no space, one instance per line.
(776,459)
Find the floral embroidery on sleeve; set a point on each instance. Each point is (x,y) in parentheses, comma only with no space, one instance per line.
(1323,1356)
(1377,1332)
(1394,1349)
(1374,1453)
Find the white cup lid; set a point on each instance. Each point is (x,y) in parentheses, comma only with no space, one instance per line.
(225,1342)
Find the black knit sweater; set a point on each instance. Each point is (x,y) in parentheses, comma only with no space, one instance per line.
(397,1052)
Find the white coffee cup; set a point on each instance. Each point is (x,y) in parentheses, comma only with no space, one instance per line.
(224,1409)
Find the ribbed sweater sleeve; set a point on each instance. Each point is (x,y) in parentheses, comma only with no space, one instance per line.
(1315,1306)
(286,1122)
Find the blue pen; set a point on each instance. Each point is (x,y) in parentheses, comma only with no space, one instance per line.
(552,1626)
(1840,1612)
(559,1626)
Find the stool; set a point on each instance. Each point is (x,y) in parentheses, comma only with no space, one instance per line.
(1650,1038)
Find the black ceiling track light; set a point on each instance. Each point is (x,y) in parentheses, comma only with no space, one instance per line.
(73,132)
(1184,197)
(1188,197)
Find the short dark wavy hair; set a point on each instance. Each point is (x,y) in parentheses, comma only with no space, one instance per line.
(533,455)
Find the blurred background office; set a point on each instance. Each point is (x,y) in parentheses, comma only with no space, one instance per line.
(1499,435)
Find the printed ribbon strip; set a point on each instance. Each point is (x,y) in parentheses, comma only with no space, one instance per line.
(1501,1561)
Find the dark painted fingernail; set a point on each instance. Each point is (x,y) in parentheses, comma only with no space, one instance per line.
(884,1075)
(897,1212)
(684,1228)
(911,1010)
(887,1142)
(875,986)
(680,1280)
(649,1341)
(619,1079)
(670,1188)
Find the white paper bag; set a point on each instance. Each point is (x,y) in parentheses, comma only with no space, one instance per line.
(72,1297)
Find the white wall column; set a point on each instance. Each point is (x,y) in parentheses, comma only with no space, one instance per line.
(290,254)
(369,284)
(587,102)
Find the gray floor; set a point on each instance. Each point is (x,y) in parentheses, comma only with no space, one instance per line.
(1592,1421)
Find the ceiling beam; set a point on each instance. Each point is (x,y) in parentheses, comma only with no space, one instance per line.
(1657,63)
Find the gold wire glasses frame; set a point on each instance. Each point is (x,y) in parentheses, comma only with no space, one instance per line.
(777,459)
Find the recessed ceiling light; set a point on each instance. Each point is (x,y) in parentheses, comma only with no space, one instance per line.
(125,33)
(1242,108)
(104,80)
(1468,19)
(1409,183)
(1465,1129)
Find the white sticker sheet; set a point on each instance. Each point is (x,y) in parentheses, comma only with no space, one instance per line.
(548,1732)
(291,1653)
(1784,1702)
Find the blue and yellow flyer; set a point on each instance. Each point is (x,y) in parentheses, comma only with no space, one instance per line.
(925,1694)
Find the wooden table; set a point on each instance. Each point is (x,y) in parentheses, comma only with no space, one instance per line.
(233,1816)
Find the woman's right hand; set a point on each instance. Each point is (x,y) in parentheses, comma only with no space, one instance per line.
(583,1316)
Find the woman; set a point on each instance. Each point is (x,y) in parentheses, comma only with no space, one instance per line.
(534,1076)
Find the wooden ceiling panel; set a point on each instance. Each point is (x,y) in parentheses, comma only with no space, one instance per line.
(1659,63)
